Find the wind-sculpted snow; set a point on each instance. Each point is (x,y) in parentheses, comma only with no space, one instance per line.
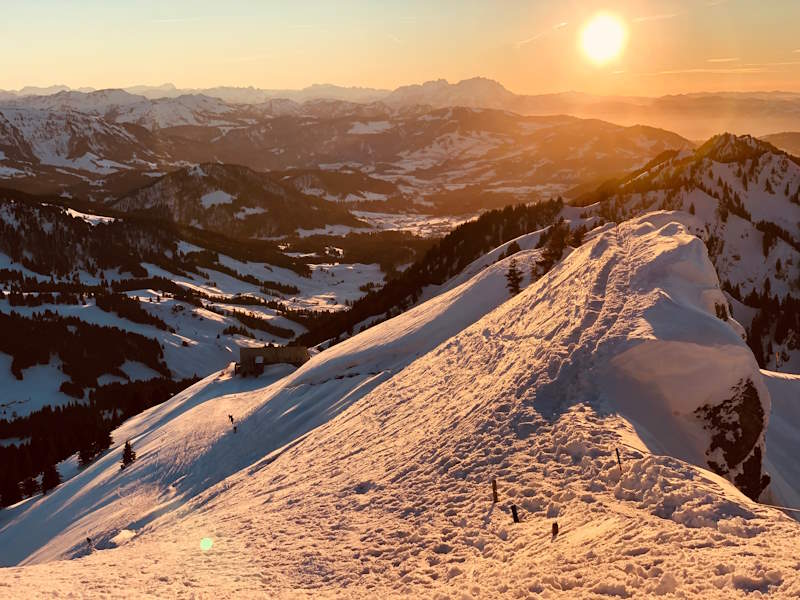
(742,197)
(389,494)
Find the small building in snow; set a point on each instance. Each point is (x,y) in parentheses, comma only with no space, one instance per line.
(253,360)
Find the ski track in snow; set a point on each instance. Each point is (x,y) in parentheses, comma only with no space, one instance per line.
(358,476)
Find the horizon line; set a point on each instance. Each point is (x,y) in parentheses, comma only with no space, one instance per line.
(199,90)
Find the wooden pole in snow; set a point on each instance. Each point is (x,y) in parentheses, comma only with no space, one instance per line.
(494,491)
(514,513)
(619,462)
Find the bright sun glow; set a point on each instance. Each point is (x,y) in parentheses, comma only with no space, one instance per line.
(603,38)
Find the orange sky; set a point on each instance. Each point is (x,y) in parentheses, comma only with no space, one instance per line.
(530,46)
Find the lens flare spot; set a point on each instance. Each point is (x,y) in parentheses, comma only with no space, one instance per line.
(206,544)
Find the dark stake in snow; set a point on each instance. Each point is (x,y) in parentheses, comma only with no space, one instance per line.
(494,491)
(514,513)
(555,528)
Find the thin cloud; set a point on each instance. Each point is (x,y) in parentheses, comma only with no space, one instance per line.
(716,2)
(394,39)
(785,63)
(723,60)
(179,19)
(702,70)
(660,17)
(541,34)
(530,40)
(247,59)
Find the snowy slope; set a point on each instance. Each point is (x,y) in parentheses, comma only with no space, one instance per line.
(234,201)
(325,386)
(71,140)
(388,496)
(165,437)
(783,438)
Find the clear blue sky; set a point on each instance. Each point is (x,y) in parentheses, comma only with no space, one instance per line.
(530,46)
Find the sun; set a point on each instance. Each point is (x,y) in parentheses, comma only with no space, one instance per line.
(603,38)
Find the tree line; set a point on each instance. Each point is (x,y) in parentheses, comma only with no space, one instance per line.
(50,435)
(443,260)
(86,351)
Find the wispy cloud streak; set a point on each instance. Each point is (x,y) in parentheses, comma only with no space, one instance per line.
(541,34)
(698,70)
(179,19)
(661,17)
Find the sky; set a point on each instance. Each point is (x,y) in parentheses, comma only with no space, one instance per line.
(531,46)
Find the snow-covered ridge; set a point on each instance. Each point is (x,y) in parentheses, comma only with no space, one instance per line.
(71,140)
(367,470)
(742,197)
(118,106)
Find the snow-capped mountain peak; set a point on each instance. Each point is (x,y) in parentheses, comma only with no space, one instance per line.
(727,147)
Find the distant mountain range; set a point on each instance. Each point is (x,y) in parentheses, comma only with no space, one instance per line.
(381,157)
(695,116)
(238,95)
(788,141)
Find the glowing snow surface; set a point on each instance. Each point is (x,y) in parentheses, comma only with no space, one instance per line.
(366,473)
(216,198)
(369,128)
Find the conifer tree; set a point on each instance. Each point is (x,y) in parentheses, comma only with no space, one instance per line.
(50,478)
(128,455)
(513,278)
(9,487)
(85,455)
(30,486)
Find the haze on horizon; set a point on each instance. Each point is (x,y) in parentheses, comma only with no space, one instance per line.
(531,46)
